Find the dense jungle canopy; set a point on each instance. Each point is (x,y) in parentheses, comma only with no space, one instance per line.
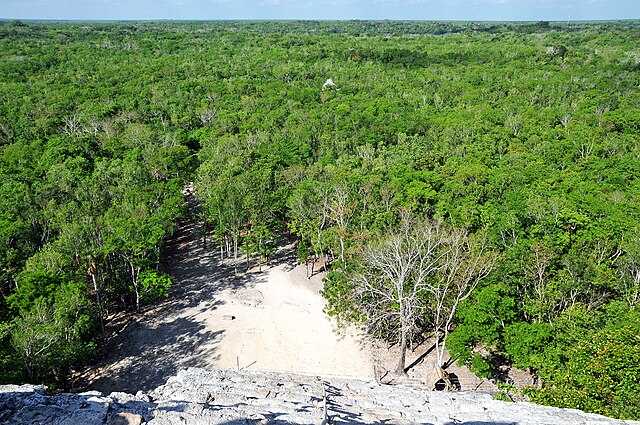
(527,134)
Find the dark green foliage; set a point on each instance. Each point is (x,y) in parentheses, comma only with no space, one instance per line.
(154,286)
(482,322)
(525,343)
(481,366)
(596,370)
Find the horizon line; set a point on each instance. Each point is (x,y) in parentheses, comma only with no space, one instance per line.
(312,20)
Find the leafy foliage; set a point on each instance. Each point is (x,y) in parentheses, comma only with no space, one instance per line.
(599,372)
(526,133)
(54,332)
(154,286)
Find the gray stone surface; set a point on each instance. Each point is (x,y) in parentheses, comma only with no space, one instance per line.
(199,397)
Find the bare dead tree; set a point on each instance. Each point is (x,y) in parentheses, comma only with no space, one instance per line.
(557,51)
(462,262)
(72,126)
(389,289)
(207,116)
(631,284)
(419,274)
(6,133)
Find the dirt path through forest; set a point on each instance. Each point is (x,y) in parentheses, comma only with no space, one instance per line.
(270,320)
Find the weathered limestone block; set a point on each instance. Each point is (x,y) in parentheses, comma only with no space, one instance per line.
(207,397)
(125,418)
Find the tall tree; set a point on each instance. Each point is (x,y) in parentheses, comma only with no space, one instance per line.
(419,274)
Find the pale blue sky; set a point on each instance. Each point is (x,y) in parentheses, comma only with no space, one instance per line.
(322,9)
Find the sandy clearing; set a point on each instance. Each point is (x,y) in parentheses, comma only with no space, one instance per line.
(215,317)
(287,331)
(219,316)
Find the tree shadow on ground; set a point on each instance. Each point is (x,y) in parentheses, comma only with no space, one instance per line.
(284,255)
(197,272)
(146,355)
(338,414)
(143,350)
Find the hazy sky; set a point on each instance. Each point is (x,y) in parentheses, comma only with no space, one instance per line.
(322,9)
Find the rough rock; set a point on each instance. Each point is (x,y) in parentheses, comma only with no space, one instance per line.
(329,84)
(251,297)
(125,418)
(199,397)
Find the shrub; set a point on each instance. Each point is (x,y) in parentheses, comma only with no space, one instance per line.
(54,333)
(525,343)
(481,366)
(154,286)
(601,373)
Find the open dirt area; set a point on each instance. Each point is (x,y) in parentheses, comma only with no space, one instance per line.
(278,324)
(217,316)
(220,315)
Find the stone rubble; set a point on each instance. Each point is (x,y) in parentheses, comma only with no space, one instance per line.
(204,397)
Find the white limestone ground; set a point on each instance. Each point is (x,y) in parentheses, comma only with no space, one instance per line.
(199,397)
(220,316)
(279,325)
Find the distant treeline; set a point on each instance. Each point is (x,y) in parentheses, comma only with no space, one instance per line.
(350,27)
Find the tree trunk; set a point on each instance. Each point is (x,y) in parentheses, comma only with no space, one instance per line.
(442,374)
(96,289)
(403,352)
(27,366)
(134,277)
(313,264)
(204,235)
(235,247)
(440,340)
(439,363)
(235,253)
(247,253)
(259,254)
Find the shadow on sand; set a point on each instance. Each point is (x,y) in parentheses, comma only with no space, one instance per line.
(143,350)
